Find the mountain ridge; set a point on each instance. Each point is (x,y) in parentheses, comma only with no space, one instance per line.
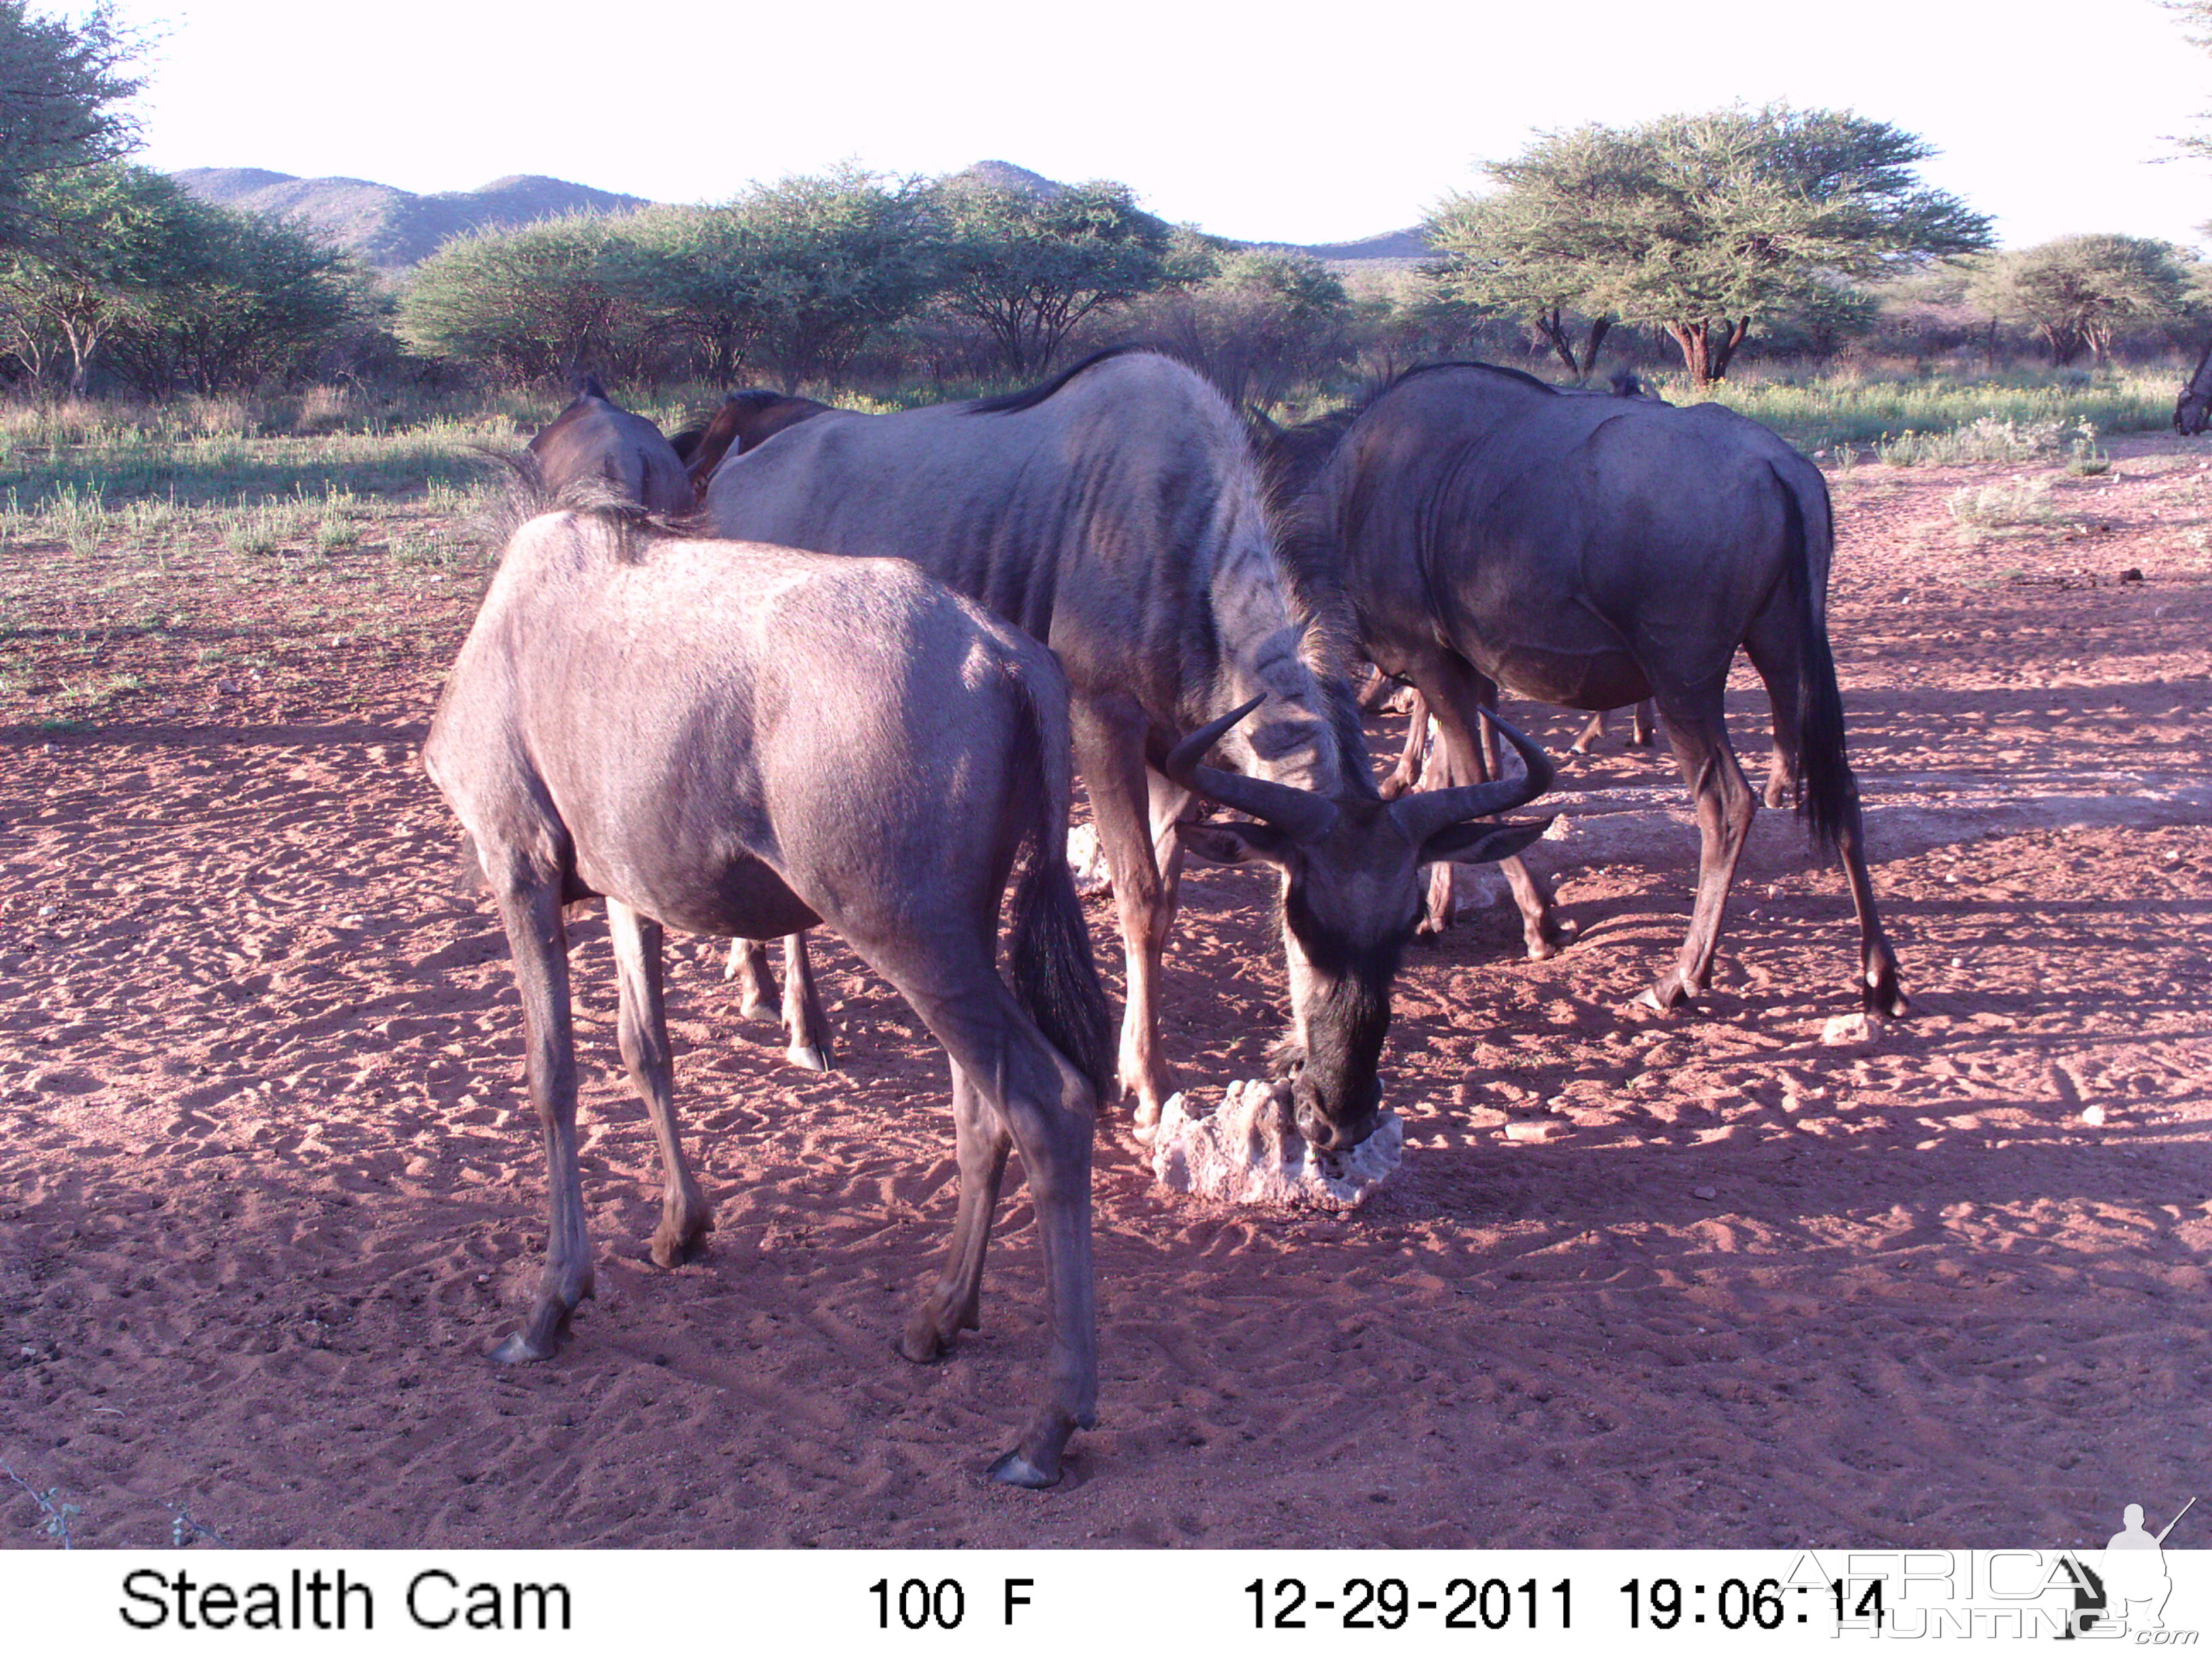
(391,229)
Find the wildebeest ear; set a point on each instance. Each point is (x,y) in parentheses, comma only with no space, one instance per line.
(1233,842)
(1481,842)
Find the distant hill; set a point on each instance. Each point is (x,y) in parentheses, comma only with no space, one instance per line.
(1395,245)
(390,228)
(1006,176)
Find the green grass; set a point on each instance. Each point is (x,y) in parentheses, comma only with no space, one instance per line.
(1820,413)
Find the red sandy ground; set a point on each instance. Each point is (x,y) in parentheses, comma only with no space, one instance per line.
(269,1188)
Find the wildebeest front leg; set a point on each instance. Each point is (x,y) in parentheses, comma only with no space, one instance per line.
(955,1303)
(1109,752)
(748,965)
(1726,807)
(642,1028)
(531,915)
(804,1022)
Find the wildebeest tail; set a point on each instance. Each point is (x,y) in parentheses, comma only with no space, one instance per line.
(1826,795)
(1055,979)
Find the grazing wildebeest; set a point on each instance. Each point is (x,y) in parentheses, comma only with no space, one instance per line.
(596,439)
(749,740)
(1590,551)
(1116,513)
(2192,410)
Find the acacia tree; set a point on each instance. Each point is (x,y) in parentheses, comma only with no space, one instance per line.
(112,239)
(1701,225)
(1029,265)
(540,302)
(816,265)
(1254,325)
(61,87)
(248,300)
(1515,251)
(2078,291)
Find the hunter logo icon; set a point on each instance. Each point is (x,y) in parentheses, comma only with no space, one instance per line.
(2135,1571)
(2128,1589)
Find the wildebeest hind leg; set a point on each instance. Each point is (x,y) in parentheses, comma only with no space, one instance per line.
(748,965)
(1406,775)
(531,912)
(1726,807)
(1048,1109)
(642,1026)
(955,1303)
(804,1022)
(1771,644)
(1879,990)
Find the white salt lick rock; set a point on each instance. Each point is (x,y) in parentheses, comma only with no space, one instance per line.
(1248,1151)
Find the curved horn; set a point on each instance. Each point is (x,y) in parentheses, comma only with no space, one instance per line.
(1299,813)
(1422,815)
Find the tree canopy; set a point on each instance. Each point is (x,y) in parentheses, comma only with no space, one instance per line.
(1030,266)
(1701,225)
(61,85)
(2078,291)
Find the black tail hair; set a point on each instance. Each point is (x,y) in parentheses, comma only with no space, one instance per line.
(1054,978)
(586,385)
(1827,796)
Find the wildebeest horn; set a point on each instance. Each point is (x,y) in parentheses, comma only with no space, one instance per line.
(1299,813)
(1423,814)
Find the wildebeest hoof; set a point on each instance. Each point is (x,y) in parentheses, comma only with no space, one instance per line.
(1889,999)
(1662,999)
(1013,1469)
(517,1350)
(807,1057)
(672,1248)
(923,1344)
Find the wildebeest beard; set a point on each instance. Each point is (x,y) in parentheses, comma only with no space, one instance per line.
(1350,1013)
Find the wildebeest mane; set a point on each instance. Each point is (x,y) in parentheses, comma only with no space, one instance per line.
(1013,403)
(523,495)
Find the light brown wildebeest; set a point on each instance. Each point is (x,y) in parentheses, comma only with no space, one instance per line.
(1590,551)
(747,740)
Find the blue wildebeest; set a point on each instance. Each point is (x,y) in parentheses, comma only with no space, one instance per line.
(1590,551)
(595,440)
(1116,513)
(748,740)
(2192,409)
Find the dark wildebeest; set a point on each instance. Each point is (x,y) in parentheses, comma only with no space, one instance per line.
(1590,551)
(1116,513)
(748,740)
(2192,410)
(595,439)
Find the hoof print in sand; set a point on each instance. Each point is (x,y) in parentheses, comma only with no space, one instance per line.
(1248,1151)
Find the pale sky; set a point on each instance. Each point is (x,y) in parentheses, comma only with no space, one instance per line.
(1277,122)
